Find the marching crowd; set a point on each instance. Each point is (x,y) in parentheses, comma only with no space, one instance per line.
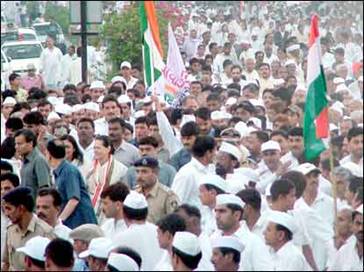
(102,177)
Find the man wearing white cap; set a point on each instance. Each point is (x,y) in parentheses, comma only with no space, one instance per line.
(125,72)
(34,250)
(229,211)
(278,235)
(228,157)
(140,235)
(211,185)
(186,251)
(97,89)
(97,253)
(270,168)
(226,254)
(6,107)
(350,255)
(121,262)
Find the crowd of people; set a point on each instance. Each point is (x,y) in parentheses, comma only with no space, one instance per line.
(102,177)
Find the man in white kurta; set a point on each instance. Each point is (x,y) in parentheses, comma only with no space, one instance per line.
(51,60)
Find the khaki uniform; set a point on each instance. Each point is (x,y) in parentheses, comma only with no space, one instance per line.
(16,239)
(161,201)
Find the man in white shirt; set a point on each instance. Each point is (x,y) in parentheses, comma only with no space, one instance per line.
(86,137)
(295,139)
(112,198)
(218,68)
(222,248)
(265,78)
(167,227)
(211,185)
(186,181)
(48,208)
(66,64)
(250,73)
(140,235)
(278,235)
(50,61)
(355,147)
(350,255)
(109,108)
(229,211)
(125,71)
(190,44)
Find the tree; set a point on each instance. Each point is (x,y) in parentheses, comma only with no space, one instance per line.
(59,14)
(122,34)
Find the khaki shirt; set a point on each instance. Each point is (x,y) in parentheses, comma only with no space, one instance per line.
(16,239)
(161,201)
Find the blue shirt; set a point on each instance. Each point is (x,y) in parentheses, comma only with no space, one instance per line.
(70,184)
(181,158)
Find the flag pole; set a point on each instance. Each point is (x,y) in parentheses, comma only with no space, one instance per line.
(334,183)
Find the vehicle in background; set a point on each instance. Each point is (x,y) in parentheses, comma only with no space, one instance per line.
(53,29)
(23,53)
(18,34)
(5,71)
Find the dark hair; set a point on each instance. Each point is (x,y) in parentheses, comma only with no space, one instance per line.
(116,192)
(325,164)
(188,260)
(109,98)
(354,184)
(77,153)
(280,133)
(281,187)
(211,45)
(57,199)
(149,140)
(130,253)
(246,105)
(14,123)
(236,254)
(213,97)
(141,120)
(261,135)
(287,233)
(86,120)
(106,142)
(296,131)
(203,113)
(252,88)
(210,187)
(263,63)
(226,62)
(354,132)
(56,149)
(13,76)
(34,118)
(19,106)
(28,135)
(298,180)
(251,197)
(60,252)
(13,178)
(190,210)
(20,196)
(172,223)
(4,165)
(129,127)
(202,145)
(197,82)
(44,102)
(194,60)
(38,263)
(69,86)
(7,149)
(283,94)
(134,214)
(190,129)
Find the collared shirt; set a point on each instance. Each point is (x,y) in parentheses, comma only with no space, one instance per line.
(130,84)
(70,184)
(289,157)
(255,256)
(101,127)
(347,258)
(127,154)
(180,159)
(112,227)
(266,177)
(5,222)
(143,238)
(165,176)
(161,201)
(35,171)
(16,239)
(208,220)
(186,181)
(288,258)
(88,153)
(349,158)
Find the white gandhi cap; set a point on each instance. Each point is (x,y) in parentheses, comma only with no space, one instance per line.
(35,247)
(97,85)
(9,101)
(228,242)
(270,145)
(122,262)
(53,116)
(306,168)
(99,247)
(135,201)
(231,149)
(284,219)
(125,64)
(224,199)
(92,106)
(214,180)
(187,243)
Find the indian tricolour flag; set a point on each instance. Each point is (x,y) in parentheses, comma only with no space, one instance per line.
(316,118)
(152,47)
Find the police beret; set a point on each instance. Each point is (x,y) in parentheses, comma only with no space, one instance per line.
(147,162)
(86,232)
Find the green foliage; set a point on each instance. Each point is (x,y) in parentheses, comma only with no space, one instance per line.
(32,9)
(122,35)
(59,14)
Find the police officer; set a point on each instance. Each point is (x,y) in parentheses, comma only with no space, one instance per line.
(161,199)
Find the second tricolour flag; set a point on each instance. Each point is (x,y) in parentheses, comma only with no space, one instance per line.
(316,118)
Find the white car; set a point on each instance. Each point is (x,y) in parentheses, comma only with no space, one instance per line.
(18,34)
(23,53)
(5,71)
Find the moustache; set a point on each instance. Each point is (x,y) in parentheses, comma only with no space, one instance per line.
(41,215)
